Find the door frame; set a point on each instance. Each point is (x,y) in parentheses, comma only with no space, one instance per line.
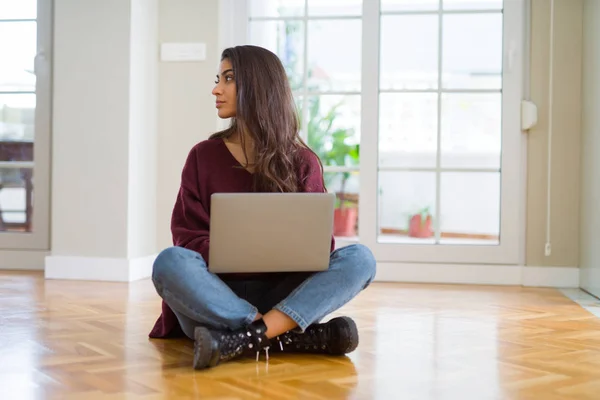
(233,30)
(509,251)
(39,238)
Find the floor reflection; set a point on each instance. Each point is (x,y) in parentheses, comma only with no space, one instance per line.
(61,339)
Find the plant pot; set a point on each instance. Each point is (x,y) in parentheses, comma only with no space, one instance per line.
(419,229)
(344,221)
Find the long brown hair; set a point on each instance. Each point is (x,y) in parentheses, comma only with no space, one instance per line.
(266,113)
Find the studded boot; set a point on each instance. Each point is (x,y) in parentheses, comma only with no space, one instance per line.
(213,348)
(336,337)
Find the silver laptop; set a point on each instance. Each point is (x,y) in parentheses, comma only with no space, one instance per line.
(270,232)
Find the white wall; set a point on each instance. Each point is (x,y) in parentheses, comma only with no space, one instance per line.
(124,124)
(104,139)
(143,128)
(566,120)
(187,114)
(90,128)
(590,145)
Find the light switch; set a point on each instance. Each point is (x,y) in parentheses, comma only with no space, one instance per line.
(183,51)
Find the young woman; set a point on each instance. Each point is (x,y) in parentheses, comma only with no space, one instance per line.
(229,315)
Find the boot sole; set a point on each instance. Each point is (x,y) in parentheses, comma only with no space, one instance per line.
(346,327)
(206,349)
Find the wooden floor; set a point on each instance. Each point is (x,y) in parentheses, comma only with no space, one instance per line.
(84,340)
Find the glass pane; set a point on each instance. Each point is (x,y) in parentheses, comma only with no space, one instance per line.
(472,51)
(16,199)
(346,186)
(276,8)
(334,128)
(18,9)
(473,4)
(285,39)
(299,102)
(406,207)
(18,47)
(17,119)
(409,52)
(334,55)
(334,7)
(471,130)
(409,5)
(470,208)
(408,130)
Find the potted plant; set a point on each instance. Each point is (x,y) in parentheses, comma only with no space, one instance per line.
(346,210)
(419,224)
(333,147)
(331,144)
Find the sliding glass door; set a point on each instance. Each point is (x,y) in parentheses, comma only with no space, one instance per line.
(25,46)
(443,172)
(414,108)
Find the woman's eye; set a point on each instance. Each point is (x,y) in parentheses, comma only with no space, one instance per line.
(229,78)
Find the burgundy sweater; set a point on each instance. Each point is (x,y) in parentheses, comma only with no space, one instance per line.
(211,168)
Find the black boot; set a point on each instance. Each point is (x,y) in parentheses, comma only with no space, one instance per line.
(338,336)
(212,348)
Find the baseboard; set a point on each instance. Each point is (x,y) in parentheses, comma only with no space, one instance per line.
(22,260)
(128,270)
(141,267)
(98,268)
(562,277)
(590,280)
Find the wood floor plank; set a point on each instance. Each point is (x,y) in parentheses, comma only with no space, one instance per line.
(75,340)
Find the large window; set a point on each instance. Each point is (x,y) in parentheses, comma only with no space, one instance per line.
(327,85)
(413,107)
(440,121)
(24,123)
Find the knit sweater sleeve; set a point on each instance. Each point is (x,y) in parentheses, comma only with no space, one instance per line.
(190,220)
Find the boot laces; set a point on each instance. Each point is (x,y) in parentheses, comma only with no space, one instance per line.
(234,344)
(314,338)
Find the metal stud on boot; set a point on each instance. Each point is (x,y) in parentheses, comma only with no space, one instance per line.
(213,348)
(337,337)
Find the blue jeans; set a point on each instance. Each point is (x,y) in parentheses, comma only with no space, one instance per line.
(199,297)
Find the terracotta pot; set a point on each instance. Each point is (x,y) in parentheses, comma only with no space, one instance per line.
(344,221)
(420,229)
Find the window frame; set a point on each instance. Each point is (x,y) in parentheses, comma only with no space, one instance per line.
(39,238)
(233,28)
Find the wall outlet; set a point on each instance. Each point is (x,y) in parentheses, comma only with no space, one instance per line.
(547,250)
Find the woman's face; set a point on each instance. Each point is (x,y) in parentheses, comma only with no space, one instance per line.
(225,91)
